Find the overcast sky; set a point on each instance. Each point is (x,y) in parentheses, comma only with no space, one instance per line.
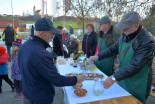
(26,6)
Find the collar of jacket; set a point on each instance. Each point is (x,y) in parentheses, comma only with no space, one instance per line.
(109,31)
(132,35)
(91,33)
(40,41)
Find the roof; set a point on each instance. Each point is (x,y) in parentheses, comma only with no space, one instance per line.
(3,23)
(38,10)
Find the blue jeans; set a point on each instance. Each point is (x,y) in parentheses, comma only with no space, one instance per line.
(8,51)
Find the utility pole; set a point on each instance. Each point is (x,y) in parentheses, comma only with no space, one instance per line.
(46,8)
(64,13)
(12,13)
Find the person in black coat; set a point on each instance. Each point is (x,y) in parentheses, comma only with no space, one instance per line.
(9,36)
(57,43)
(89,42)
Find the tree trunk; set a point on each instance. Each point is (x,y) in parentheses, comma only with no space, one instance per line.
(83,26)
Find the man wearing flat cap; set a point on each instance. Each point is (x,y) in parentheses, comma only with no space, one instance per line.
(39,75)
(108,36)
(135,48)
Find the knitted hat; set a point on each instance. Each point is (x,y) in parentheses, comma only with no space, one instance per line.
(2,50)
(17,42)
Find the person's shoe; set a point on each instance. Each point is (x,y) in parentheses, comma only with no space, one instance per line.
(13,88)
(17,96)
(20,97)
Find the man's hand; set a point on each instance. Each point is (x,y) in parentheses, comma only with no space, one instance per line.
(108,82)
(93,58)
(81,78)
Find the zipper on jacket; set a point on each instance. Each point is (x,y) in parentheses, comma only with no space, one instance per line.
(86,46)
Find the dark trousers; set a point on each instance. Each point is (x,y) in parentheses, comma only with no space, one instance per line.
(6,78)
(18,86)
(8,51)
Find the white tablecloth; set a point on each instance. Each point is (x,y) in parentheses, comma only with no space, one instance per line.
(71,98)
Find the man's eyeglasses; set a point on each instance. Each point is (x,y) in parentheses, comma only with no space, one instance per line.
(128,28)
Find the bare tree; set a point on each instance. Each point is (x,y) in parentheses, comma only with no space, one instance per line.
(116,8)
(152,11)
(83,9)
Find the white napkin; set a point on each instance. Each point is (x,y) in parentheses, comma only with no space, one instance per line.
(65,48)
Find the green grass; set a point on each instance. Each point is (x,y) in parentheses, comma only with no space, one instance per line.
(21,36)
(27,22)
(75,24)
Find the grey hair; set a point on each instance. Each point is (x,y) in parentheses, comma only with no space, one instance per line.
(36,32)
(72,36)
(9,24)
(64,29)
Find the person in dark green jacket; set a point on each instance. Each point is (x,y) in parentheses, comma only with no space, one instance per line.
(108,36)
(136,50)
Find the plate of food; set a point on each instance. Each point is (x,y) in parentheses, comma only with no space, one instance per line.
(61,61)
(80,92)
(88,75)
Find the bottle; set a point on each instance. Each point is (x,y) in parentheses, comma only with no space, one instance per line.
(84,60)
(75,59)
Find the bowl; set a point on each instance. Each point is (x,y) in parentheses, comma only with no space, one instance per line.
(78,85)
(80,92)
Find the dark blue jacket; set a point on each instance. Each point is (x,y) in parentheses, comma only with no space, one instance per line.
(39,74)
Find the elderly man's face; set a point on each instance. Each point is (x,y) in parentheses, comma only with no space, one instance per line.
(46,36)
(104,26)
(130,29)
